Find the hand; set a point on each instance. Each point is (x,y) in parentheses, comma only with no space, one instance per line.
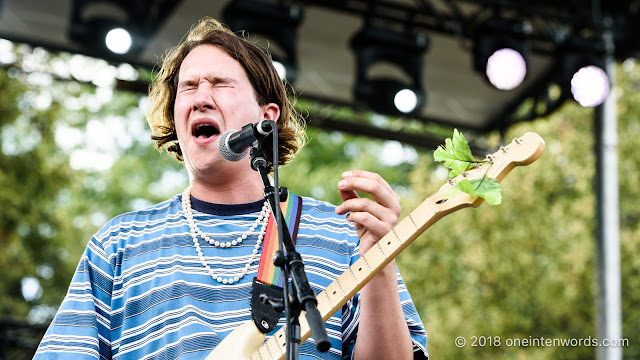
(373,219)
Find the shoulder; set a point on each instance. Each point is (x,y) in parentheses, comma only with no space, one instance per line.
(317,210)
(320,217)
(318,207)
(141,223)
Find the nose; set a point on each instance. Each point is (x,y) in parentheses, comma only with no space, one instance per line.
(203,99)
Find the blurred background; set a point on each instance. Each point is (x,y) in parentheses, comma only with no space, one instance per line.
(382,84)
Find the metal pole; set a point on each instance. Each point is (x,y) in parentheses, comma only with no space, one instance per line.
(608,300)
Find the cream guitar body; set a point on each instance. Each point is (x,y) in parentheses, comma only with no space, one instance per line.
(246,339)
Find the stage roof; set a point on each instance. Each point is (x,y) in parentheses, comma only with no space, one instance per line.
(456,94)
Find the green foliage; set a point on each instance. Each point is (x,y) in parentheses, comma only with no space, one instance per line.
(456,156)
(51,206)
(317,168)
(484,187)
(527,268)
(31,176)
(522,270)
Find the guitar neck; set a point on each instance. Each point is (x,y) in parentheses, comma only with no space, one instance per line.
(521,151)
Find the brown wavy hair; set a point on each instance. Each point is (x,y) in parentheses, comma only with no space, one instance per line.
(266,83)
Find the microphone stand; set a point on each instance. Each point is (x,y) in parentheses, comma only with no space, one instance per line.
(298,295)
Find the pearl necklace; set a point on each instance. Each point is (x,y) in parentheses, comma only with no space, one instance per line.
(262,219)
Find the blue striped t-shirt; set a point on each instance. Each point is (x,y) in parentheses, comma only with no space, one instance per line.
(141,292)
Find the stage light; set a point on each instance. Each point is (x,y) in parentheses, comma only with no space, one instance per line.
(583,72)
(506,69)
(398,88)
(590,86)
(406,100)
(277,24)
(118,40)
(501,51)
(281,69)
(108,28)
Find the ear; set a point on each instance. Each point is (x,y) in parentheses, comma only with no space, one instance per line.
(271,111)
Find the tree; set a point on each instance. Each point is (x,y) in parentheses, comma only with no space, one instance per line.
(524,270)
(520,270)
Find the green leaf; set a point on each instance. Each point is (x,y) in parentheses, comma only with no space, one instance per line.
(485,187)
(455,155)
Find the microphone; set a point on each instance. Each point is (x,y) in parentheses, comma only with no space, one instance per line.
(233,144)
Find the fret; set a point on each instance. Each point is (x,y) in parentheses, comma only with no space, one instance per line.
(391,243)
(355,279)
(348,283)
(360,270)
(432,206)
(267,345)
(404,230)
(335,293)
(274,349)
(329,301)
(264,352)
(374,258)
(413,222)
(324,303)
(386,255)
(280,339)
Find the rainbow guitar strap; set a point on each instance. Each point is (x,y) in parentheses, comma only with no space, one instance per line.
(270,279)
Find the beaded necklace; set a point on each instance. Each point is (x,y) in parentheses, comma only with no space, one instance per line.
(262,220)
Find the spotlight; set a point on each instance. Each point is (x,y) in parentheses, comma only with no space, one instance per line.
(501,51)
(398,89)
(102,35)
(118,40)
(583,72)
(506,69)
(107,27)
(94,23)
(590,86)
(406,100)
(275,23)
(281,69)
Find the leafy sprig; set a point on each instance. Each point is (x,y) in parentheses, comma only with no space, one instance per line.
(457,157)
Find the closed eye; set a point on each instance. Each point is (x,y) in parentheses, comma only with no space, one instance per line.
(187,85)
(222,81)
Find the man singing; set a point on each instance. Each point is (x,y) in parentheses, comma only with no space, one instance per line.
(173,280)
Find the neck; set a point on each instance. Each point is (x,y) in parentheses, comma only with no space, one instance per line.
(228,190)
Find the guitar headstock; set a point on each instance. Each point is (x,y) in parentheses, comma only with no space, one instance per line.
(520,152)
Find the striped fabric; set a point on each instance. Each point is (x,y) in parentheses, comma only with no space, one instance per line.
(140,291)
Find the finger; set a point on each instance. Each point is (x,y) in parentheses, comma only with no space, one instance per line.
(379,190)
(346,194)
(367,222)
(367,175)
(365,205)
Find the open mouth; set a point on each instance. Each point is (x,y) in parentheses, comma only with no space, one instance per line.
(205,131)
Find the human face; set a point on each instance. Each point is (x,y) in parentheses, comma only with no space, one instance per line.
(213,95)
